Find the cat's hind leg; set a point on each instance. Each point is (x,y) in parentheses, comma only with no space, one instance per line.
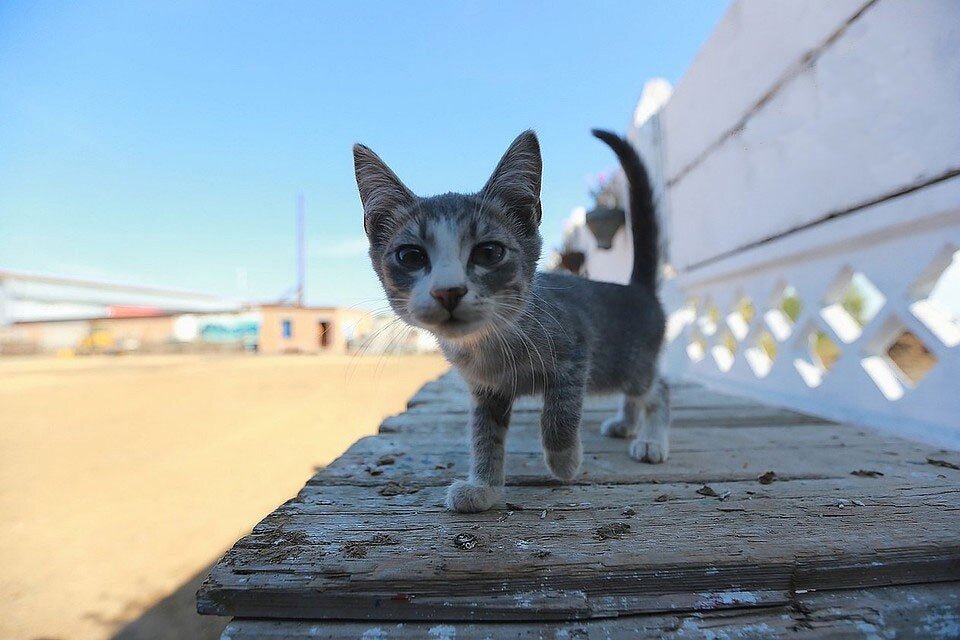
(652,443)
(624,424)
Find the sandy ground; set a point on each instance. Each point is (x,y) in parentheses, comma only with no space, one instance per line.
(122,479)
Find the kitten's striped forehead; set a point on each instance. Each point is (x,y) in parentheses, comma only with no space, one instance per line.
(437,225)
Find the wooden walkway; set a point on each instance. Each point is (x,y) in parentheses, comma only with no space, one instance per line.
(763,523)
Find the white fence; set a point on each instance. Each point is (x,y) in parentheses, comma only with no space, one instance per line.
(811,190)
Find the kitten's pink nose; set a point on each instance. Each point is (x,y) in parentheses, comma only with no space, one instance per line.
(449,298)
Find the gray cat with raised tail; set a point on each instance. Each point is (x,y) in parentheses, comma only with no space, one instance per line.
(462,266)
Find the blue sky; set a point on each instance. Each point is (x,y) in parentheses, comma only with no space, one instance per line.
(164,143)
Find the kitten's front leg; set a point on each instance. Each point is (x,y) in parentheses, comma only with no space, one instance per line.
(488,430)
(560,426)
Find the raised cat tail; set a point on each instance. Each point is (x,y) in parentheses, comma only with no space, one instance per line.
(643,215)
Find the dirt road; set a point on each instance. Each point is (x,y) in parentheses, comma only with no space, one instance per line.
(122,478)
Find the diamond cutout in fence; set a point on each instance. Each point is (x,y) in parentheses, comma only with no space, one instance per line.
(697,347)
(911,357)
(852,301)
(825,351)
(709,319)
(725,351)
(898,359)
(936,297)
(761,354)
(816,355)
(739,320)
(884,372)
(784,312)
(680,319)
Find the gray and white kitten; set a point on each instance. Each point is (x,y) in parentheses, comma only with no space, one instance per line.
(462,266)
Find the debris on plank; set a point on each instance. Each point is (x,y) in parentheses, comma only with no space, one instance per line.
(707,490)
(628,511)
(514,507)
(543,553)
(385,460)
(543,514)
(666,497)
(395,489)
(355,549)
(866,473)
(767,478)
(374,471)
(723,496)
(614,531)
(292,537)
(444,465)
(465,541)
(943,463)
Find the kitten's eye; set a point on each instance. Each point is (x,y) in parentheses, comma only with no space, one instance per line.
(487,254)
(412,257)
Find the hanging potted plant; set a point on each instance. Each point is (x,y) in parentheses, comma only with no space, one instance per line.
(607,214)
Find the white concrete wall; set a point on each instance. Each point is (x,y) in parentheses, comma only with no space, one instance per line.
(807,141)
(811,139)
(849,111)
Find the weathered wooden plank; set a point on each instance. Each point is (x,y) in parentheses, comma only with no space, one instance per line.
(645,499)
(694,399)
(424,468)
(450,435)
(724,417)
(367,538)
(563,565)
(916,611)
(450,388)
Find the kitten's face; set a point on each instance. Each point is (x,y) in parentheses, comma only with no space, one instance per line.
(456,265)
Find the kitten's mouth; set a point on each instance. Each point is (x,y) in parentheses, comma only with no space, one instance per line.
(454,327)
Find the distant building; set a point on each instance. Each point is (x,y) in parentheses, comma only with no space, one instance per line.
(41,314)
(292,329)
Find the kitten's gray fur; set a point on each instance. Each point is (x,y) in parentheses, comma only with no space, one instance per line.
(516,331)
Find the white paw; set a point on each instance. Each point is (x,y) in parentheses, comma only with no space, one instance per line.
(564,464)
(464,496)
(616,427)
(650,451)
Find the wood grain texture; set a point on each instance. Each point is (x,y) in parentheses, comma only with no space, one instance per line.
(920,611)
(368,539)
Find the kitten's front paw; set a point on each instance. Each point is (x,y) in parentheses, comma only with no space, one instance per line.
(464,496)
(565,464)
(650,451)
(616,427)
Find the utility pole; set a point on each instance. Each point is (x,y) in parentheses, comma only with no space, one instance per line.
(301,249)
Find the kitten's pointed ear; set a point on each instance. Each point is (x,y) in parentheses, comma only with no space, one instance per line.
(381,191)
(516,180)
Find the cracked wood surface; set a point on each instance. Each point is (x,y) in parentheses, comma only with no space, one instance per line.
(367,538)
(917,611)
